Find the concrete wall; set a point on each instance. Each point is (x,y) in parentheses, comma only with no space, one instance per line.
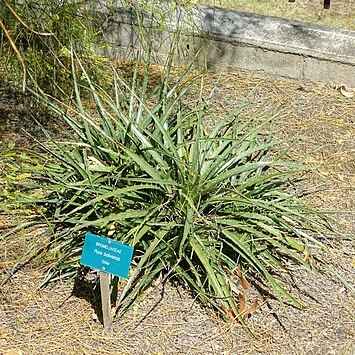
(240,40)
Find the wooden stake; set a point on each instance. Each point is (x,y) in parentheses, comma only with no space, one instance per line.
(106,302)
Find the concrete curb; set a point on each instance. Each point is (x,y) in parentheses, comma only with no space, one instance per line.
(278,34)
(249,41)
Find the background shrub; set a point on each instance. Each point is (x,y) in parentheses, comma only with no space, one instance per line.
(44,33)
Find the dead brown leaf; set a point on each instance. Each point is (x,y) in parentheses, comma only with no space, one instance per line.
(242,304)
(243,281)
(253,307)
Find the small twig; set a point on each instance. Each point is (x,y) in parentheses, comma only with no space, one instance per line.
(17,52)
(12,43)
(23,23)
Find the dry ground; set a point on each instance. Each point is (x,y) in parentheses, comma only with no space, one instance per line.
(62,319)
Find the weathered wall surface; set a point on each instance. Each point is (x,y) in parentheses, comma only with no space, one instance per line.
(241,40)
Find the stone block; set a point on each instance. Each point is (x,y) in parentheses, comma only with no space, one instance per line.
(329,72)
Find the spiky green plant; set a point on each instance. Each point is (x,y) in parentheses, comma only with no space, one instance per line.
(197,197)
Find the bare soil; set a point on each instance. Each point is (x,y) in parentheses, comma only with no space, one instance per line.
(65,318)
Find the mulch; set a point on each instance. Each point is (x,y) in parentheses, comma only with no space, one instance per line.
(65,318)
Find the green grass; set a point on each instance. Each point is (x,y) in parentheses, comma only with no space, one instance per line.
(341,14)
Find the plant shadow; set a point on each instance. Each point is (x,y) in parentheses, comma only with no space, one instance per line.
(87,287)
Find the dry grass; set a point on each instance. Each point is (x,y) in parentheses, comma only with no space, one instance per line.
(341,13)
(63,319)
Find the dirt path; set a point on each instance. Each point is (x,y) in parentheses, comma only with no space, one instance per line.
(62,319)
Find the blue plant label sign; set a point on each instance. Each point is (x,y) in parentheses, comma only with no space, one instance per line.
(106,255)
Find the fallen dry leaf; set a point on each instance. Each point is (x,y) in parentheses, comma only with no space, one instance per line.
(253,307)
(242,304)
(229,313)
(306,256)
(347,92)
(243,281)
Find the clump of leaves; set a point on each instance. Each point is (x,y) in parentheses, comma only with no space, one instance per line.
(40,35)
(199,205)
(12,160)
